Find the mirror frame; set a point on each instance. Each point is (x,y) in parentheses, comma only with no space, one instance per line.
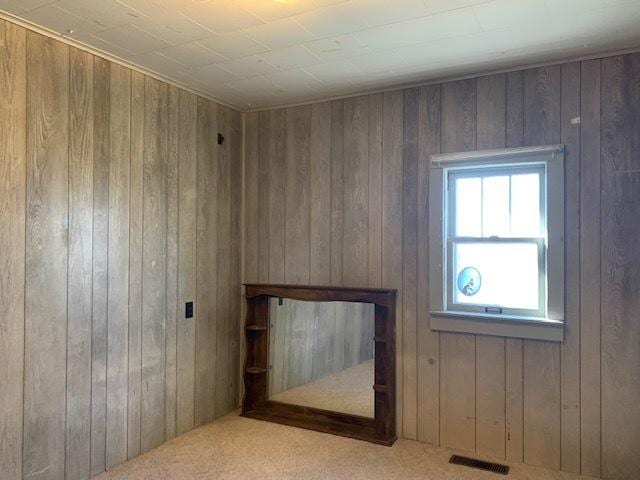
(256,404)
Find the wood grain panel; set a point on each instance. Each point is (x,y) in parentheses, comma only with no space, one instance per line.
(337,190)
(135,264)
(320,193)
(457,380)
(590,225)
(78,426)
(235,294)
(375,190)
(277,166)
(171,330)
(154,267)
(265,150)
(513,346)
(355,251)
(410,264)
(392,177)
(490,351)
(620,266)
(252,208)
(541,364)
(47,219)
(207,263)
(118,266)
(296,218)
(12,244)
(223,320)
(101,155)
(570,348)
(187,191)
(428,341)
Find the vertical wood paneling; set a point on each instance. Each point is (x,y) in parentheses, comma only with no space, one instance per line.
(541,364)
(428,341)
(207,263)
(186,329)
(457,380)
(410,265)
(253,208)
(235,296)
(490,351)
(375,190)
(223,320)
(135,263)
(297,195)
(320,193)
(154,267)
(590,392)
(264,153)
(83,385)
(101,110)
(12,244)
(46,257)
(337,190)
(78,428)
(392,177)
(570,348)
(118,266)
(355,248)
(297,229)
(277,164)
(620,266)
(513,346)
(171,333)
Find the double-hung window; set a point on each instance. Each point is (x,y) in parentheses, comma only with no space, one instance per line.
(497,249)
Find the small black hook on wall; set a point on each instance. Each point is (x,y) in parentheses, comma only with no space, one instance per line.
(220,139)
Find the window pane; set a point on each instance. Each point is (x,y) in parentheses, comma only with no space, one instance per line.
(525,205)
(468,207)
(495,206)
(499,274)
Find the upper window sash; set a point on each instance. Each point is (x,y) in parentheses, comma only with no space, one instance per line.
(455,173)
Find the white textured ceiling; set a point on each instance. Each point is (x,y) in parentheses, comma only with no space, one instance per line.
(261,53)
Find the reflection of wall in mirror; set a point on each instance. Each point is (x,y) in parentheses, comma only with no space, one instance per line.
(310,340)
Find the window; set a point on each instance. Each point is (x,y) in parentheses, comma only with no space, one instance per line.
(497,242)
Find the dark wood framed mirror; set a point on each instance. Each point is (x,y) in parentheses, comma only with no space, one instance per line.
(380,426)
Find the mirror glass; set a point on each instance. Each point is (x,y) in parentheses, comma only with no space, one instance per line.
(322,355)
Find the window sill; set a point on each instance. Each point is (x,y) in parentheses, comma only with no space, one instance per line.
(498,325)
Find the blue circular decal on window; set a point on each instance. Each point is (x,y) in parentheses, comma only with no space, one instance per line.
(469,281)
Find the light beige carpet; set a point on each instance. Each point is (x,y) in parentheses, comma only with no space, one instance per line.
(349,391)
(236,448)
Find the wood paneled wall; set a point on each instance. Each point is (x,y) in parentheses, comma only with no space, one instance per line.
(310,340)
(336,193)
(117,206)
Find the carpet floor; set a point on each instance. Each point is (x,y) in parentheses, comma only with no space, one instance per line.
(236,448)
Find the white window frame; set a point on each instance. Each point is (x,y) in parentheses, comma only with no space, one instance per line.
(547,323)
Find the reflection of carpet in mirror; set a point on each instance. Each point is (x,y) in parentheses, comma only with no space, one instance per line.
(349,391)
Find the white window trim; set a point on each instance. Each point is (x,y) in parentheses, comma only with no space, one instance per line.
(549,328)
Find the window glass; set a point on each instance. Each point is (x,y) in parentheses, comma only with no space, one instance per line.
(468,207)
(525,205)
(495,206)
(496,274)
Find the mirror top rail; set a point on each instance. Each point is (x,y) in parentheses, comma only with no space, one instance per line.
(322,293)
